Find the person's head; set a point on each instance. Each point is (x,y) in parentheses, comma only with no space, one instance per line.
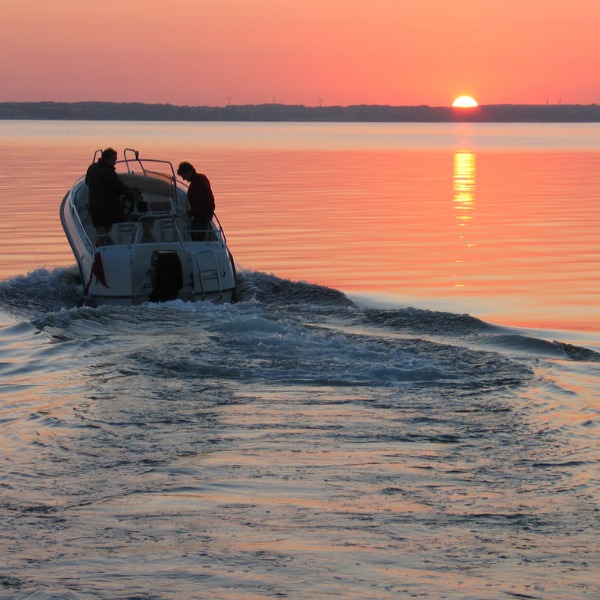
(186,171)
(109,155)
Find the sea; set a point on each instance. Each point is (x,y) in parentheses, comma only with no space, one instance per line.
(403,401)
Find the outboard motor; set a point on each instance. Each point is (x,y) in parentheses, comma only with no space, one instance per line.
(166,274)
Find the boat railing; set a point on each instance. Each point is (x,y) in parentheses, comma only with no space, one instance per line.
(78,205)
(144,162)
(214,234)
(220,232)
(166,229)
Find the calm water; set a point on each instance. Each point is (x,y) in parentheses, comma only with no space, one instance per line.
(404,403)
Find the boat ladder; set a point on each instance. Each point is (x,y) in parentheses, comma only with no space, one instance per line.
(208,273)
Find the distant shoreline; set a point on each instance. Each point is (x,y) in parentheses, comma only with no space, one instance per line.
(137,111)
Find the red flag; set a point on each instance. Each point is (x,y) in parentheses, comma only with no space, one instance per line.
(98,272)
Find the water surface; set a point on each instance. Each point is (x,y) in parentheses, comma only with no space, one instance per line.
(404,403)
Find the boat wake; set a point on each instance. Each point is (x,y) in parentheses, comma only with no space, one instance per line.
(41,294)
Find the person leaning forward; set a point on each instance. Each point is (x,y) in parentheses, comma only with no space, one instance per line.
(200,199)
(106,194)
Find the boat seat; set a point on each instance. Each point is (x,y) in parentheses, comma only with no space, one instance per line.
(165,231)
(123,233)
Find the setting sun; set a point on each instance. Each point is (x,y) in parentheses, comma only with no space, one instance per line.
(464,102)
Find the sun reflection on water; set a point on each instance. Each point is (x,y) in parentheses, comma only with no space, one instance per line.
(464,197)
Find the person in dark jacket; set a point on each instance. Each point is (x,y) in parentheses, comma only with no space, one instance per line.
(106,194)
(200,199)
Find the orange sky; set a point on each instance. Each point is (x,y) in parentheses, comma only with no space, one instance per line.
(398,52)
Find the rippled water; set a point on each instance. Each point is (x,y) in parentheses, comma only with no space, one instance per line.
(319,438)
(294,444)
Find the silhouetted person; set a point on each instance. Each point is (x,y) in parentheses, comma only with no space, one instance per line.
(201,201)
(106,194)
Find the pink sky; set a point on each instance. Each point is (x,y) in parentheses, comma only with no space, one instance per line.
(211,52)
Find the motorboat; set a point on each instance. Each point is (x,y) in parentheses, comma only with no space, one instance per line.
(153,255)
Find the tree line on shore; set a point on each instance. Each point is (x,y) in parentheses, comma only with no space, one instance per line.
(138,111)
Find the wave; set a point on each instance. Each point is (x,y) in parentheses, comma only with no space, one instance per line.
(41,291)
(427,321)
(52,301)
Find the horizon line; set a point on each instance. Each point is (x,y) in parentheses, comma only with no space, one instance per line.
(316,106)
